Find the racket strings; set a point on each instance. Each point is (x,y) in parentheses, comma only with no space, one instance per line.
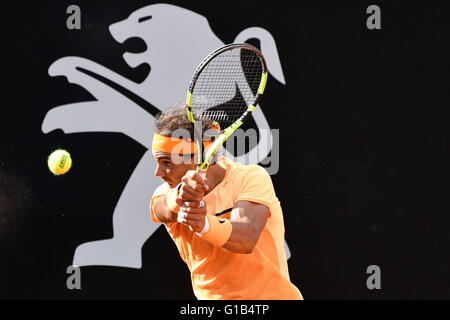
(227,85)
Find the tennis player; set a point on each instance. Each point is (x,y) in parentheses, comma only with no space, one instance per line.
(228,225)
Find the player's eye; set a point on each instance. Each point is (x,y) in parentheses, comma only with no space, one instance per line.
(142,19)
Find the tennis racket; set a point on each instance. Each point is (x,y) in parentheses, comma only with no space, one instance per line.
(225,88)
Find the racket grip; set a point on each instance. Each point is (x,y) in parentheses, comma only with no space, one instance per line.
(203,173)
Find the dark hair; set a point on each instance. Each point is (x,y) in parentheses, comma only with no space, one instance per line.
(176,118)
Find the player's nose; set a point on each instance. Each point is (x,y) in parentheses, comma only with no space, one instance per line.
(160,171)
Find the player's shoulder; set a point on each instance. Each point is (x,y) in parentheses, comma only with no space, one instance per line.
(239,170)
(161,189)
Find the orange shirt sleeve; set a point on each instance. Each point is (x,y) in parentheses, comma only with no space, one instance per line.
(255,185)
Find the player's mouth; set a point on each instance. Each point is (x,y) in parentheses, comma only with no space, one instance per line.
(169,182)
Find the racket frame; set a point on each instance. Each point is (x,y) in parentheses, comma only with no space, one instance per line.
(204,159)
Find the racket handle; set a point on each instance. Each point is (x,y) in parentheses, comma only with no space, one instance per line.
(202,173)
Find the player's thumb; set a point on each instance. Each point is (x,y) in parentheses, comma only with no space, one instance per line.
(205,185)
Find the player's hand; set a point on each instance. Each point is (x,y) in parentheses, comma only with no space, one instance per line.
(193,214)
(193,208)
(193,186)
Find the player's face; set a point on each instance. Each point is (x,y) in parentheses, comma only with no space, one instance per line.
(171,168)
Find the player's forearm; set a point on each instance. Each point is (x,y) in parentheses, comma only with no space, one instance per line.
(163,212)
(243,238)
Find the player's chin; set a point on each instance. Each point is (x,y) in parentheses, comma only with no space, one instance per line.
(170,183)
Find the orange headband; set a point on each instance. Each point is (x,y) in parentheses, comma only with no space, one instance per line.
(175,145)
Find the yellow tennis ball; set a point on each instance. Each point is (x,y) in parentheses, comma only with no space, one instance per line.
(59,162)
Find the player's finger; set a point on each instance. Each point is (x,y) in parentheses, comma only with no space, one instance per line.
(199,211)
(205,185)
(194,204)
(193,185)
(187,194)
(195,175)
(184,217)
(194,180)
(192,217)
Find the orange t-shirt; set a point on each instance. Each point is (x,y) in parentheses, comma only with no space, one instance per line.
(217,273)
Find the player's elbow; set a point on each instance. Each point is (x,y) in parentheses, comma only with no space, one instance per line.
(244,241)
(241,247)
(249,244)
(249,249)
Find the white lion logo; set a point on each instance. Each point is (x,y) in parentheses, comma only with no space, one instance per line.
(177,40)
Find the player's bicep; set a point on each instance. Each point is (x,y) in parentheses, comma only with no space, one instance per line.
(248,220)
(255,214)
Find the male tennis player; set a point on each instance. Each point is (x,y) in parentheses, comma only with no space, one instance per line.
(230,229)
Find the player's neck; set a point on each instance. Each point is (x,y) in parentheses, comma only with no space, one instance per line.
(215,175)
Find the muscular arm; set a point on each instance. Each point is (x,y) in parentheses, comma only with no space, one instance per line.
(248,220)
(162,211)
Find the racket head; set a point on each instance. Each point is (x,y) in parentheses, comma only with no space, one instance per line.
(225,88)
